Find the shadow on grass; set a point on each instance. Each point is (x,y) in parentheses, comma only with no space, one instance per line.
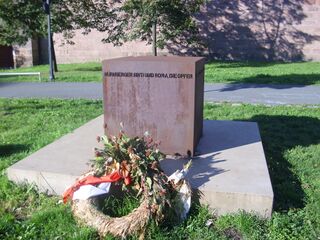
(88,69)
(236,64)
(10,149)
(280,134)
(5,79)
(31,106)
(270,81)
(289,79)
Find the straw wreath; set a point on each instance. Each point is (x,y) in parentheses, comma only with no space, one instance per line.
(132,163)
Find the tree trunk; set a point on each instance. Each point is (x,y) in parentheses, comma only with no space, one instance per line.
(154,38)
(53,54)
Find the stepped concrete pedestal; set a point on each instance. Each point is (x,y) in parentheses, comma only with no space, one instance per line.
(230,169)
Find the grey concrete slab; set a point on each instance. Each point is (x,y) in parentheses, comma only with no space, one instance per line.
(271,94)
(55,167)
(230,170)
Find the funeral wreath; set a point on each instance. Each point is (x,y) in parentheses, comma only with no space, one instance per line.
(133,165)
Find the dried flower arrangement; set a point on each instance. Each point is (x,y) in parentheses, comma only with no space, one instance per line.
(132,163)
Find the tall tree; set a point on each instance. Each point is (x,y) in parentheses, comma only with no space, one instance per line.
(152,21)
(24,19)
(128,20)
(21,20)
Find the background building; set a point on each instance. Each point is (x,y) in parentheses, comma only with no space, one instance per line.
(272,30)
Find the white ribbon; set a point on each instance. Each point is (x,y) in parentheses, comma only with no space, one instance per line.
(88,191)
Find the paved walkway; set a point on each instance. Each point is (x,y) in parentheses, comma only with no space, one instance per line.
(246,93)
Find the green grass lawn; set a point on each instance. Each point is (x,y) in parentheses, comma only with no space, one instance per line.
(215,72)
(291,139)
(80,72)
(276,73)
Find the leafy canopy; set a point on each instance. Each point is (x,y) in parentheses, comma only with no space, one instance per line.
(121,20)
(128,20)
(24,19)
(19,20)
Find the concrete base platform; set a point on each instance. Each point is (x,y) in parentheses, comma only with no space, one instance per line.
(55,167)
(230,170)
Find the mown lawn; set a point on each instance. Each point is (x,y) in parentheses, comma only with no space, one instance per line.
(291,138)
(276,73)
(215,72)
(80,72)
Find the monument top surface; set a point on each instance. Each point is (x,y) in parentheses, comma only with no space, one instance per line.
(157,58)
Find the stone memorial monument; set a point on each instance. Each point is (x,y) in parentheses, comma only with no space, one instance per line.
(161,95)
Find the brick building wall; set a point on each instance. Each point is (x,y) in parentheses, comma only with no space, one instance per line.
(26,55)
(258,30)
(90,48)
(230,30)
(311,25)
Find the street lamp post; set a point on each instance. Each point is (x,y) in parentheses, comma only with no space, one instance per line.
(46,7)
